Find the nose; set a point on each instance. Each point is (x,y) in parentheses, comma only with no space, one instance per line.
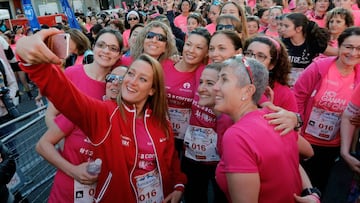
(201,88)
(191,48)
(154,39)
(216,87)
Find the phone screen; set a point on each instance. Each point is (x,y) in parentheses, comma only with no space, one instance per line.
(59,44)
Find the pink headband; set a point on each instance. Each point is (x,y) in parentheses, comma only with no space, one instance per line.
(276,44)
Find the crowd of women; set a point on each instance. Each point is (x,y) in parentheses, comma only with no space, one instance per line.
(244,98)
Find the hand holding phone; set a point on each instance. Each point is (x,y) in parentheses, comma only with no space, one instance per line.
(59,44)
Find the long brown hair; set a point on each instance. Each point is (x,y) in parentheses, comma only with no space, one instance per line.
(158,101)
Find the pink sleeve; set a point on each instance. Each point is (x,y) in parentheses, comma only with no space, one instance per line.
(126,36)
(245,159)
(355,98)
(65,125)
(263,99)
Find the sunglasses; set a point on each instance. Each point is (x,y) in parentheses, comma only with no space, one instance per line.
(113,78)
(134,18)
(160,37)
(103,45)
(225,27)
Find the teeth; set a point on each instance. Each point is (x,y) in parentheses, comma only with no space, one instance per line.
(130,89)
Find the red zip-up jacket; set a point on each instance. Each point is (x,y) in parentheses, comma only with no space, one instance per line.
(113,133)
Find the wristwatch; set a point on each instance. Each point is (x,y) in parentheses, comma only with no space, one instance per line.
(310,191)
(300,122)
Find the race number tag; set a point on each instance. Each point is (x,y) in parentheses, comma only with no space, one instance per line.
(180,120)
(323,124)
(201,144)
(149,187)
(294,75)
(83,193)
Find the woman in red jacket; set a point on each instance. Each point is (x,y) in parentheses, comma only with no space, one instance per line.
(132,137)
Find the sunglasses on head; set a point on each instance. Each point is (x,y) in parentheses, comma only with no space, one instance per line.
(113,78)
(134,18)
(225,27)
(158,36)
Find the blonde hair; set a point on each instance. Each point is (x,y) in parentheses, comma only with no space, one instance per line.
(138,48)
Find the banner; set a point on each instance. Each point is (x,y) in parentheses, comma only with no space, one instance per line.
(73,23)
(30,15)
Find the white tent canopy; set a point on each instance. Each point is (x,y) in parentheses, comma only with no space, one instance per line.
(5,15)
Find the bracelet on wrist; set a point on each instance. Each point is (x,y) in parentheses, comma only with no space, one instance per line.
(311,191)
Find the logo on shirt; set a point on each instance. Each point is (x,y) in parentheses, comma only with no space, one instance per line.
(125,140)
(186,85)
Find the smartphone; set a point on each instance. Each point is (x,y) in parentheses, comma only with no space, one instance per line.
(59,44)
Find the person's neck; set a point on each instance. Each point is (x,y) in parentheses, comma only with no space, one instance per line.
(182,66)
(272,28)
(334,36)
(343,68)
(319,14)
(96,72)
(186,14)
(297,40)
(243,110)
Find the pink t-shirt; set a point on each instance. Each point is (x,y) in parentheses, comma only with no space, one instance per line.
(126,36)
(330,101)
(284,97)
(320,21)
(76,148)
(356,14)
(180,89)
(211,28)
(355,98)
(146,154)
(271,33)
(260,149)
(180,21)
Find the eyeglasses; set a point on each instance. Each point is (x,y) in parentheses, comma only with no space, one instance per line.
(258,56)
(113,78)
(350,48)
(134,18)
(103,45)
(225,27)
(158,36)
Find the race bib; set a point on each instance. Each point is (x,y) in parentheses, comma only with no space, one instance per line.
(149,187)
(180,121)
(84,193)
(294,75)
(323,124)
(201,144)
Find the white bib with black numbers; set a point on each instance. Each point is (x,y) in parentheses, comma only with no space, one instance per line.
(201,144)
(180,120)
(323,124)
(84,193)
(149,187)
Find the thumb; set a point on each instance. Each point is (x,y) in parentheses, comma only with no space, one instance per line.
(298,199)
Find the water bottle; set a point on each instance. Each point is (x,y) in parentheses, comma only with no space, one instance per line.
(39,104)
(94,167)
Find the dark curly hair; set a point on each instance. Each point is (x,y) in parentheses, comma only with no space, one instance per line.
(279,59)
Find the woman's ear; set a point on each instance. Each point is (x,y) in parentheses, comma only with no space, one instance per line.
(271,66)
(299,29)
(152,92)
(239,51)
